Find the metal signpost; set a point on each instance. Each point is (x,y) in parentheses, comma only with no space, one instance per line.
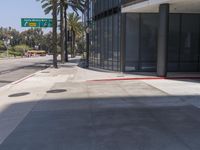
(37,22)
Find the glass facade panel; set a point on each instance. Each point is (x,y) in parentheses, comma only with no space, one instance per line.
(102,44)
(110,47)
(92,46)
(116,41)
(119,43)
(97,45)
(189,43)
(106,44)
(105,47)
(141,39)
(174,42)
(148,42)
(115,3)
(99,40)
(132,42)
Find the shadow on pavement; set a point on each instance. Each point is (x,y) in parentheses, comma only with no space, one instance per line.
(5,81)
(37,66)
(108,123)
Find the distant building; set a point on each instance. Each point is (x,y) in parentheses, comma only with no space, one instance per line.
(145,35)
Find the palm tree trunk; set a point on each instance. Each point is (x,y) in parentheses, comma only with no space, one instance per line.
(62,32)
(54,14)
(66,34)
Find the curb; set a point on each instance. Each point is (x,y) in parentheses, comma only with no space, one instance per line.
(11,58)
(27,77)
(22,79)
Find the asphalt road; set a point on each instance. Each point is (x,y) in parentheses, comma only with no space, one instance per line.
(14,69)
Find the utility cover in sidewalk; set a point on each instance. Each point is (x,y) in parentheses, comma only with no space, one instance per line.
(57,91)
(19,94)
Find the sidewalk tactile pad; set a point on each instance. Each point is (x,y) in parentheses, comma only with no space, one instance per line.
(19,94)
(57,91)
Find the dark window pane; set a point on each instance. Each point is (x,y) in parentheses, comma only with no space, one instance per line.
(115,41)
(110,52)
(174,42)
(189,43)
(148,44)
(132,42)
(119,44)
(99,44)
(105,43)
(102,43)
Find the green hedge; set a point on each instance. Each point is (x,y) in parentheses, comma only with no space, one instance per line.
(18,50)
(2,46)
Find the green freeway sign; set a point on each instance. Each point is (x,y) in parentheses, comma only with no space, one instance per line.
(36,22)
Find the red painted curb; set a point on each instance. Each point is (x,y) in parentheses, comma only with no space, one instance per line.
(150,78)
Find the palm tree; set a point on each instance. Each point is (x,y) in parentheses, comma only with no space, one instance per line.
(76,5)
(62,6)
(51,6)
(76,27)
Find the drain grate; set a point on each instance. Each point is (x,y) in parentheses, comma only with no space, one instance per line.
(57,91)
(19,94)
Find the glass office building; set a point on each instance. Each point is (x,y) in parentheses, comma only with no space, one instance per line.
(105,35)
(127,40)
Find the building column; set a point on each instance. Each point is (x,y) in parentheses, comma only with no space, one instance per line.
(163,40)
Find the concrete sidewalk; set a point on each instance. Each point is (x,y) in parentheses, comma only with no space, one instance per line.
(98,115)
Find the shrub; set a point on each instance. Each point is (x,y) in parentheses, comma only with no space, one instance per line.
(18,50)
(2,46)
(21,48)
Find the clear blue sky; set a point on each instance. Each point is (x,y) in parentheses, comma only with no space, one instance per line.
(11,11)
